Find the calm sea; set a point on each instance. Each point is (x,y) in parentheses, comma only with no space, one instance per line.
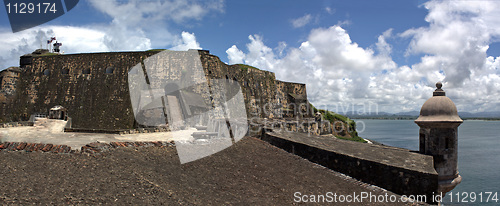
(478,154)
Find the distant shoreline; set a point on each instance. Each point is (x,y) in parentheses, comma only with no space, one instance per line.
(414,118)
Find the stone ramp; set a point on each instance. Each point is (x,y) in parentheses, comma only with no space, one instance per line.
(175,112)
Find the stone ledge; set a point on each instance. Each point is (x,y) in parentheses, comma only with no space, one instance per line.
(92,148)
(96,147)
(33,147)
(398,170)
(16,124)
(128,131)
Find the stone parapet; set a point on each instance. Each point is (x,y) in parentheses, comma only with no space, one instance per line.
(92,148)
(398,170)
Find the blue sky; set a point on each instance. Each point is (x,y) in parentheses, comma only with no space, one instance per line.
(349,53)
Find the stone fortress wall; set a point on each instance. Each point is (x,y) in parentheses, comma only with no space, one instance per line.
(93,87)
(8,80)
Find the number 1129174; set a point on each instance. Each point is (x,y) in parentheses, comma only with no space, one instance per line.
(473,197)
(30,8)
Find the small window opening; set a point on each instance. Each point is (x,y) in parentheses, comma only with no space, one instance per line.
(110,70)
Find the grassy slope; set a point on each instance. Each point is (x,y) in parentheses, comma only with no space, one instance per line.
(333,117)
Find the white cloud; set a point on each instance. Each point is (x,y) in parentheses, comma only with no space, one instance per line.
(235,55)
(301,21)
(338,72)
(135,26)
(383,47)
(187,42)
(74,39)
(144,13)
(134,20)
(335,69)
(259,55)
(281,48)
(329,10)
(455,45)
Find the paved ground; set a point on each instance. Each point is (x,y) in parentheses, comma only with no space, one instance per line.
(50,131)
(250,172)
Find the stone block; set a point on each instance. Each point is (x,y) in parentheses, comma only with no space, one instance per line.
(4,145)
(21,146)
(55,148)
(38,147)
(13,146)
(47,147)
(29,147)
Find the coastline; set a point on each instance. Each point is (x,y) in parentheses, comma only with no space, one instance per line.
(414,118)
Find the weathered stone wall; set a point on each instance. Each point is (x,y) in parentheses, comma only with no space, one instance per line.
(94,88)
(306,125)
(258,86)
(79,82)
(8,82)
(293,99)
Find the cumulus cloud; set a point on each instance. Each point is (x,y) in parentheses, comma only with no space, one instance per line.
(335,69)
(235,55)
(455,45)
(382,46)
(187,42)
(301,21)
(75,39)
(148,21)
(339,73)
(135,25)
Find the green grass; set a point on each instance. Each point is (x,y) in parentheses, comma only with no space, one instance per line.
(49,54)
(332,117)
(155,50)
(355,139)
(245,67)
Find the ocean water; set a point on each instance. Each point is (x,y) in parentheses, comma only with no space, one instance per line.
(478,155)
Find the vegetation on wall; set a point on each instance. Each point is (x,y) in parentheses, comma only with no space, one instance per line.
(333,117)
(49,54)
(245,67)
(155,50)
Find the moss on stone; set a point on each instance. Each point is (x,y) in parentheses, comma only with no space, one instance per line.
(355,139)
(49,54)
(155,50)
(246,67)
(332,117)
